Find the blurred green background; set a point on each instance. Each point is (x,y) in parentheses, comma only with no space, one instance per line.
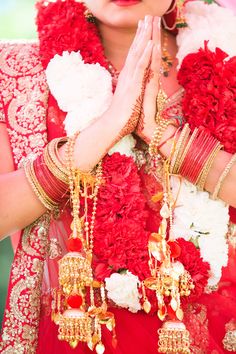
(16,22)
(17,19)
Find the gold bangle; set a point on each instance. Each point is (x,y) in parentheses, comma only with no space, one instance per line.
(180,146)
(52,161)
(223,176)
(206,169)
(38,190)
(52,148)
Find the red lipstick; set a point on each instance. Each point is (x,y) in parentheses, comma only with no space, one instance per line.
(126,2)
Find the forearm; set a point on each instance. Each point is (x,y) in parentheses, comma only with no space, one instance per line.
(228,189)
(19,205)
(95,141)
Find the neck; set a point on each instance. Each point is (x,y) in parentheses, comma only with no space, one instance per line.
(116,42)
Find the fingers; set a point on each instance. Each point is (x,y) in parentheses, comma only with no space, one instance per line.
(144,62)
(156,53)
(143,35)
(156,30)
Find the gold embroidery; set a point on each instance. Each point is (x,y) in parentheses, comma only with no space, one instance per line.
(197,324)
(25,94)
(55,249)
(27,62)
(2,115)
(20,328)
(231,235)
(229,340)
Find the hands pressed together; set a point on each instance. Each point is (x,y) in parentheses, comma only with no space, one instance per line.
(138,84)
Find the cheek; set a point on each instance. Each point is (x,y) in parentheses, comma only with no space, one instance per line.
(93,5)
(159,7)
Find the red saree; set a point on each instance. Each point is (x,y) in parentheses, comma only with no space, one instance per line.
(32,120)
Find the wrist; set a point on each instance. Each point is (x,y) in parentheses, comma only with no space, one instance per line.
(165,143)
(146,134)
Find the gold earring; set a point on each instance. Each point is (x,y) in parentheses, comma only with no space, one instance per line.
(180,19)
(89,16)
(174,17)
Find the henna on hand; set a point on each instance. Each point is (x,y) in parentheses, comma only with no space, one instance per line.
(149,74)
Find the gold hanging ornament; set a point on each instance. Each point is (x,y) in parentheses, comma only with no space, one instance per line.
(169,279)
(73,305)
(173,338)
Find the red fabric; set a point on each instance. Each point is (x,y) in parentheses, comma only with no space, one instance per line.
(232,213)
(137,333)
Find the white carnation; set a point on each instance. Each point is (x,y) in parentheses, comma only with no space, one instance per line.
(205,23)
(124,146)
(123,290)
(82,90)
(203,221)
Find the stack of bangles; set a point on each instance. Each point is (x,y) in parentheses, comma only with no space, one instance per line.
(48,176)
(192,155)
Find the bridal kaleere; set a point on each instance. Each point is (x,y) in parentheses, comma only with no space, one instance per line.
(132,242)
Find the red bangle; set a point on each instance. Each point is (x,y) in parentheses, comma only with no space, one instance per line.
(55,189)
(197,155)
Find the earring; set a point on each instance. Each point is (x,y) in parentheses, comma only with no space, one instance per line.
(174,17)
(180,19)
(89,16)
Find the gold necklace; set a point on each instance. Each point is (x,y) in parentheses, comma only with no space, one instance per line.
(167,60)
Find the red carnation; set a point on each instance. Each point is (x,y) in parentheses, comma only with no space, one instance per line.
(199,270)
(120,236)
(210,94)
(62,26)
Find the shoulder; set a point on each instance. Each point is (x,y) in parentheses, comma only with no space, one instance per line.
(19,58)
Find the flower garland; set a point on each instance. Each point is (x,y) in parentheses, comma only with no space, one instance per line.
(208,74)
(121,234)
(73,94)
(62,26)
(215,99)
(208,77)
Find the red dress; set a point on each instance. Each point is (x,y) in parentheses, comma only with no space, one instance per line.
(32,120)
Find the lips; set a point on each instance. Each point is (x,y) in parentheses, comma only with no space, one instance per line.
(126,2)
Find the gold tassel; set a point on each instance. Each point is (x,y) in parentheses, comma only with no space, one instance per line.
(173,338)
(75,326)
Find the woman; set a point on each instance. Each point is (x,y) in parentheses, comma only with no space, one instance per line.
(122,221)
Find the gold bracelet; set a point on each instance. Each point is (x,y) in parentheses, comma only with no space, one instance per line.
(223,176)
(52,161)
(206,169)
(54,155)
(158,133)
(38,190)
(179,150)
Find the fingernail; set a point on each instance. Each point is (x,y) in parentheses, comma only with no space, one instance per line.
(146,22)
